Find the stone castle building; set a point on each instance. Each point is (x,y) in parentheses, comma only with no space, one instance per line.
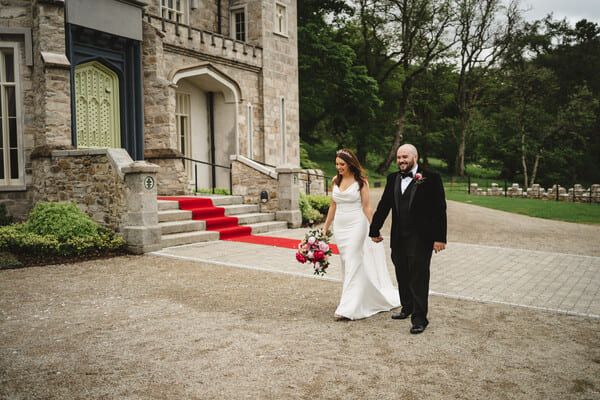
(100,99)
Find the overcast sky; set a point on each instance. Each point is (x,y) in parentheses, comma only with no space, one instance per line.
(573,10)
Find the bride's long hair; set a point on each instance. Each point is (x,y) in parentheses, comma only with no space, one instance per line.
(349,158)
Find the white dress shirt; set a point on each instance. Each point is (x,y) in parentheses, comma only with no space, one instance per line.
(406,181)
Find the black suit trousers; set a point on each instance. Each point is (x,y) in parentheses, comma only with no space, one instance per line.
(412,273)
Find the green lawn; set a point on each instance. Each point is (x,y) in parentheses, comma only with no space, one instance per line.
(570,212)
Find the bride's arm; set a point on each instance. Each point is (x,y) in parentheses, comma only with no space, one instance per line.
(331,211)
(366,201)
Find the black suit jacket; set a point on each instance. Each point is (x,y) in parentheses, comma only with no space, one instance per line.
(427,209)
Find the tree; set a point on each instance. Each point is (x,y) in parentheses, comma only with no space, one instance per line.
(400,40)
(482,39)
(338,98)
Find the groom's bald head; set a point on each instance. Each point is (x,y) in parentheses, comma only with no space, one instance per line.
(406,157)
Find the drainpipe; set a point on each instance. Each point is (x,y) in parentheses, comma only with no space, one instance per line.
(211,118)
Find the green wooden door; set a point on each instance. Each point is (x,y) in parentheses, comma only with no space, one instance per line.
(97,106)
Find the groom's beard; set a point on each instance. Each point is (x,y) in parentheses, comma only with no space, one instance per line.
(407,166)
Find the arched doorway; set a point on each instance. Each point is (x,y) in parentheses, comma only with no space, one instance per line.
(206,119)
(97,106)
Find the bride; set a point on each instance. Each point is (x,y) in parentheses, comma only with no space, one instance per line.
(367,287)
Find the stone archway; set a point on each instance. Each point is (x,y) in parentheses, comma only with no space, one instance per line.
(207,120)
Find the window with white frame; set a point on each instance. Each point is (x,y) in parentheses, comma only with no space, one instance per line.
(250,127)
(11,152)
(175,10)
(183,126)
(238,23)
(281,19)
(282,128)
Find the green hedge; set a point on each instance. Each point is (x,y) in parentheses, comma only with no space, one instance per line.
(313,208)
(58,229)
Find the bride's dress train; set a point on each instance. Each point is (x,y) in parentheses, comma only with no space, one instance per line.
(367,287)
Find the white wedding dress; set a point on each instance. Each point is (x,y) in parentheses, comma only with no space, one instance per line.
(368,288)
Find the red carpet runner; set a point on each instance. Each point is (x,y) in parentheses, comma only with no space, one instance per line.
(203,210)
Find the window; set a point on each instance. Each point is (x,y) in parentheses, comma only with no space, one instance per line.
(11,158)
(281,19)
(174,10)
(282,128)
(238,24)
(250,127)
(182,121)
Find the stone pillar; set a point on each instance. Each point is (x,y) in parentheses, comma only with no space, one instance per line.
(288,193)
(52,75)
(141,230)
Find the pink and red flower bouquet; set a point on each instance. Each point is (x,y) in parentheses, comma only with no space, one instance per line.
(315,249)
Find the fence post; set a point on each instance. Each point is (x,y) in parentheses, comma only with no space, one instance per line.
(505,188)
(327,186)
(557,192)
(307,182)
(469,184)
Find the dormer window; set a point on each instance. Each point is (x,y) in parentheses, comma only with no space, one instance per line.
(174,10)
(238,23)
(281,27)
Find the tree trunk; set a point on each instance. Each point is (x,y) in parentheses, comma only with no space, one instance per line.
(460,156)
(536,165)
(524,159)
(391,156)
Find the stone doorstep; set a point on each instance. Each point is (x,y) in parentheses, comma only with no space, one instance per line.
(164,205)
(181,226)
(178,239)
(241,209)
(253,218)
(263,227)
(174,215)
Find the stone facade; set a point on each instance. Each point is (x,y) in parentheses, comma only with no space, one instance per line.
(255,81)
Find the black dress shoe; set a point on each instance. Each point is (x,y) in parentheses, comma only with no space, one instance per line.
(401,315)
(416,329)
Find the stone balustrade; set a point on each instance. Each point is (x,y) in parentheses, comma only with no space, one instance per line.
(312,181)
(575,194)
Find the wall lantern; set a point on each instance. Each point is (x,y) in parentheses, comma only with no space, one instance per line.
(264,196)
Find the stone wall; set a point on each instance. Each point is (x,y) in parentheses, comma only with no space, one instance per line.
(85,177)
(249,182)
(280,80)
(575,194)
(312,181)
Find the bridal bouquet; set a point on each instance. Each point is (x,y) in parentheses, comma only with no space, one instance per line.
(315,250)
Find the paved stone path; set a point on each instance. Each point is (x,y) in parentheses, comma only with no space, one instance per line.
(550,281)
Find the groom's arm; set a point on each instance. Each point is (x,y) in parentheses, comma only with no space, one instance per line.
(383,208)
(439,211)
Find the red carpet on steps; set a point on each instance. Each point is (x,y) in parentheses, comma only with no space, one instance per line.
(203,210)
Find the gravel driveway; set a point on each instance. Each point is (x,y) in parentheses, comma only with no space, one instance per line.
(144,327)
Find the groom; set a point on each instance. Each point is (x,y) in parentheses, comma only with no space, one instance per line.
(416,198)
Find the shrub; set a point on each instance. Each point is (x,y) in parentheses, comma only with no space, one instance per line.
(319,202)
(310,216)
(62,220)
(8,260)
(58,229)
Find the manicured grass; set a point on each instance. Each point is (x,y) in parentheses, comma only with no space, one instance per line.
(570,212)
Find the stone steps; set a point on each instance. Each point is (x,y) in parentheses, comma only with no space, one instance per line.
(178,239)
(174,215)
(181,226)
(264,227)
(178,228)
(254,218)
